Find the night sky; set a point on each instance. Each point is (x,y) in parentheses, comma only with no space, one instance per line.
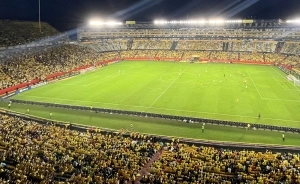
(65,15)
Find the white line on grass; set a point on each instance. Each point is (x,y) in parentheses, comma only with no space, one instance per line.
(168,86)
(254,85)
(92,102)
(281,99)
(157,108)
(106,77)
(280,84)
(269,98)
(285,78)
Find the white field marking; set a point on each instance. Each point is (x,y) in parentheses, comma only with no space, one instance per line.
(280,84)
(85,125)
(269,98)
(88,72)
(286,79)
(178,82)
(169,86)
(111,75)
(51,98)
(69,85)
(38,88)
(95,75)
(255,85)
(157,108)
(281,99)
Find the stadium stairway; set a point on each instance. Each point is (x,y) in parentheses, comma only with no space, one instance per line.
(129,44)
(145,170)
(182,55)
(174,45)
(279,46)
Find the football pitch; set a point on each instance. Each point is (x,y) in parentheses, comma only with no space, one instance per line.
(233,92)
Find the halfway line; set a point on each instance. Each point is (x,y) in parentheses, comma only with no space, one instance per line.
(168,87)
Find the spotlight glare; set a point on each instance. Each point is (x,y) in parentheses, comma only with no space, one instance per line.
(99,23)
(293,21)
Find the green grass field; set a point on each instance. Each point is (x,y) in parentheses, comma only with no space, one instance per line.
(159,126)
(198,90)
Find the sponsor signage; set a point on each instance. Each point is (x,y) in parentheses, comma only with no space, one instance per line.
(130,22)
(38,85)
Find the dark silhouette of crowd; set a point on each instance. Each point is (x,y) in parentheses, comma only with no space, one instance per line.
(15,33)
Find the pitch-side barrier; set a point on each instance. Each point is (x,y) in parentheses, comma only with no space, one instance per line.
(156,138)
(184,119)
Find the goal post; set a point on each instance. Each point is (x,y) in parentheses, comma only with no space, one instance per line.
(294,79)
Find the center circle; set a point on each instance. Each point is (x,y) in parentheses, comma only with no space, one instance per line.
(177,77)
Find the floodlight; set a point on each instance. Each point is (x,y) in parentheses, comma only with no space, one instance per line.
(216,21)
(293,21)
(233,21)
(160,22)
(201,21)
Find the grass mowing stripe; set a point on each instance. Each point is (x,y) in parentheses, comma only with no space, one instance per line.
(197,98)
(159,126)
(254,85)
(199,112)
(107,76)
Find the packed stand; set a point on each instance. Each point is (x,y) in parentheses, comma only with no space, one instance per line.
(215,55)
(274,57)
(181,163)
(169,54)
(128,54)
(47,154)
(20,32)
(146,54)
(199,45)
(293,61)
(200,54)
(25,65)
(291,48)
(108,45)
(151,44)
(246,56)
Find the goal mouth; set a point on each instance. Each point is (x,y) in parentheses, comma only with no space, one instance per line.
(294,79)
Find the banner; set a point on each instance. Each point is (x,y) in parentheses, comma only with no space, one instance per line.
(38,85)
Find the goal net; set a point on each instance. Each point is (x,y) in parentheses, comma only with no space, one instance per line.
(294,79)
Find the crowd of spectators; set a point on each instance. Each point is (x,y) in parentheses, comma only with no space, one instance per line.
(199,45)
(32,152)
(47,153)
(274,57)
(291,48)
(108,45)
(192,45)
(14,33)
(151,44)
(24,65)
(190,164)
